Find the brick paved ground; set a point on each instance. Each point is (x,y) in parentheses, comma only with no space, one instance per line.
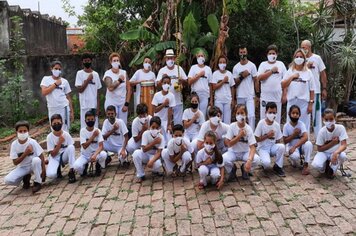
(114,205)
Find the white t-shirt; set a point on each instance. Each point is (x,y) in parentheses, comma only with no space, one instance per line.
(17,149)
(245,142)
(118,96)
(319,66)
(325,137)
(174,78)
(88,98)
(117,138)
(220,131)
(137,125)
(203,156)
(85,135)
(300,87)
(288,130)
(147,139)
(174,148)
(201,86)
(195,127)
(271,88)
(223,94)
(158,99)
(52,141)
(141,75)
(58,97)
(263,128)
(246,88)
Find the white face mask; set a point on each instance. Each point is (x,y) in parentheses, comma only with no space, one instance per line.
(147,66)
(271,116)
(240,118)
(142,120)
(56,73)
(208,147)
(215,120)
(329,124)
(165,87)
(222,66)
(201,60)
(178,141)
(299,61)
(154,132)
(22,136)
(272,58)
(170,63)
(115,65)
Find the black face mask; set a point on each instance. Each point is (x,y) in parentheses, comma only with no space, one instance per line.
(194,105)
(243,57)
(87,65)
(90,123)
(57,127)
(112,120)
(294,120)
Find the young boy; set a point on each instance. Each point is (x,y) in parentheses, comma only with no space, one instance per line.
(115,135)
(27,155)
(91,141)
(269,137)
(60,145)
(139,125)
(150,152)
(178,148)
(331,142)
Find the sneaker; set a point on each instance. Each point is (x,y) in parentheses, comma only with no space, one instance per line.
(26,181)
(232,175)
(189,167)
(36,187)
(126,164)
(328,171)
(279,171)
(245,175)
(59,172)
(107,161)
(158,174)
(305,170)
(97,169)
(140,179)
(180,173)
(85,171)
(71,176)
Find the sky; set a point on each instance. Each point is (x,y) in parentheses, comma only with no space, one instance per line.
(52,8)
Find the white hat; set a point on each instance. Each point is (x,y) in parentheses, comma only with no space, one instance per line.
(170,53)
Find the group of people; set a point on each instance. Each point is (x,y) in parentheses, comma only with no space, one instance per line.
(215,131)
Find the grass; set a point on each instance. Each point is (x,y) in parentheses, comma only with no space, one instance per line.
(6,131)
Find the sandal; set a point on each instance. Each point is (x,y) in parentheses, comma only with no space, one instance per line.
(201,185)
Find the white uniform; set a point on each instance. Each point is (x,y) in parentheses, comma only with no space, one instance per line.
(204,170)
(173,74)
(245,93)
(241,150)
(305,149)
(85,154)
(173,149)
(220,133)
(299,94)
(57,102)
(115,141)
(31,163)
(223,96)
(139,76)
(88,99)
(271,88)
(269,147)
(117,97)
(135,130)
(318,66)
(201,86)
(192,132)
(140,157)
(66,154)
(324,137)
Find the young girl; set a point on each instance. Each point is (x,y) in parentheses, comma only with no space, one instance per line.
(224,89)
(210,162)
(193,118)
(242,146)
(295,135)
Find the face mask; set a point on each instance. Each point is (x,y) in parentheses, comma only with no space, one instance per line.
(222,66)
(243,57)
(209,148)
(154,132)
(56,73)
(294,120)
(240,118)
(142,120)
(87,65)
(215,120)
(115,65)
(165,87)
(90,123)
(22,136)
(329,124)
(201,60)
(194,105)
(272,58)
(147,66)
(271,116)
(112,120)
(298,61)
(178,141)
(57,127)
(170,63)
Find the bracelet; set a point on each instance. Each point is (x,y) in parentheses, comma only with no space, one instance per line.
(127,104)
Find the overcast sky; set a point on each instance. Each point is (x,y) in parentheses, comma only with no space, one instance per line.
(52,7)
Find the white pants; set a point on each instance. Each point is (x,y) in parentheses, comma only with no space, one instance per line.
(116,149)
(166,134)
(321,157)
(177,114)
(137,98)
(64,112)
(211,170)
(304,116)
(119,113)
(230,157)
(15,176)
(140,158)
(67,158)
(132,145)
(190,136)
(82,118)
(306,148)
(277,150)
(263,104)
(79,164)
(203,103)
(317,122)
(226,111)
(250,106)
(186,158)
